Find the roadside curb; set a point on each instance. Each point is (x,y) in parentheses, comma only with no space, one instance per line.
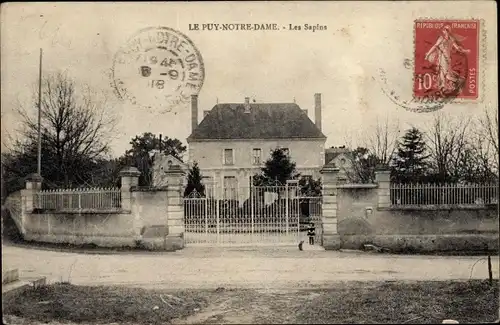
(19,286)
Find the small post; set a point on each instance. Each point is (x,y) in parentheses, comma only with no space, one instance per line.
(218,221)
(252,207)
(490,273)
(286,207)
(206,214)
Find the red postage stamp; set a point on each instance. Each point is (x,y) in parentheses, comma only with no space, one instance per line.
(446,59)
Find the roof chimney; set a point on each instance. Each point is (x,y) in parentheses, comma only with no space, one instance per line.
(317,110)
(247,104)
(194,112)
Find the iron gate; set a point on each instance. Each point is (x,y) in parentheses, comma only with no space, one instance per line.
(257,215)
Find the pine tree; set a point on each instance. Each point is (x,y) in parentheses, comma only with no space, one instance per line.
(409,164)
(277,170)
(194,181)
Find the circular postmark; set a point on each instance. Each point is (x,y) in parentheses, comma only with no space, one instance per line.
(158,68)
(431,99)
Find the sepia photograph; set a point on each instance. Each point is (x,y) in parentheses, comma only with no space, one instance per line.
(249,162)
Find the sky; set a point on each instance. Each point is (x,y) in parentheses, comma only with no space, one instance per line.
(343,62)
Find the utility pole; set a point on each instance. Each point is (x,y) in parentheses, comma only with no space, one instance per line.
(39,169)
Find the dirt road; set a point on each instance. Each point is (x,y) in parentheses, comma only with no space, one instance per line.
(238,268)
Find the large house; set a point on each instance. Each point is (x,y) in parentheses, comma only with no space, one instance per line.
(233,140)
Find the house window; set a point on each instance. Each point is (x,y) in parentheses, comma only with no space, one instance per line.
(209,185)
(257,154)
(230,187)
(228,157)
(229,181)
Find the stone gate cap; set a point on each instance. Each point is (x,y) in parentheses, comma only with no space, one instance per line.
(130,172)
(382,168)
(34,177)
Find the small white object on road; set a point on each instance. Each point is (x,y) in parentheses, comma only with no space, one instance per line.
(450,321)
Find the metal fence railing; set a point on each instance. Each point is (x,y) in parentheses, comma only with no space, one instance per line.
(90,199)
(447,194)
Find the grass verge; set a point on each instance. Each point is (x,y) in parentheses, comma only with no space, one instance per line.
(99,304)
(410,302)
(351,302)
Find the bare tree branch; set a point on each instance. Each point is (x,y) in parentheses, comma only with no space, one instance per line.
(382,142)
(488,130)
(448,142)
(76,125)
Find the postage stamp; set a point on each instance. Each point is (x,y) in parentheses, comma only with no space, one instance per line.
(447,56)
(159,68)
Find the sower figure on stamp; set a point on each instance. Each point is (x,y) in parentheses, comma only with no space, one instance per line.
(440,56)
(311,233)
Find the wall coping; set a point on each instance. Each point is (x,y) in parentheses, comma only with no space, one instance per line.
(34,177)
(438,207)
(129,172)
(357,186)
(149,188)
(83,211)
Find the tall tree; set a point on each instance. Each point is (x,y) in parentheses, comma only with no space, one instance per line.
(194,181)
(277,169)
(448,142)
(410,161)
(488,130)
(382,140)
(143,149)
(76,125)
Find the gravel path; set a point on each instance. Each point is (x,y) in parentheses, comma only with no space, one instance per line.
(203,267)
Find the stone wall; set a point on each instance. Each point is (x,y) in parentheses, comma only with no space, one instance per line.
(358,214)
(147,218)
(364,215)
(101,229)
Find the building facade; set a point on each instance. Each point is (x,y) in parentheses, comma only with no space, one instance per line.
(161,165)
(233,140)
(341,158)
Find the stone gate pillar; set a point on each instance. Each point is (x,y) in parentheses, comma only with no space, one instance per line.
(329,179)
(129,178)
(175,208)
(383,179)
(29,200)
